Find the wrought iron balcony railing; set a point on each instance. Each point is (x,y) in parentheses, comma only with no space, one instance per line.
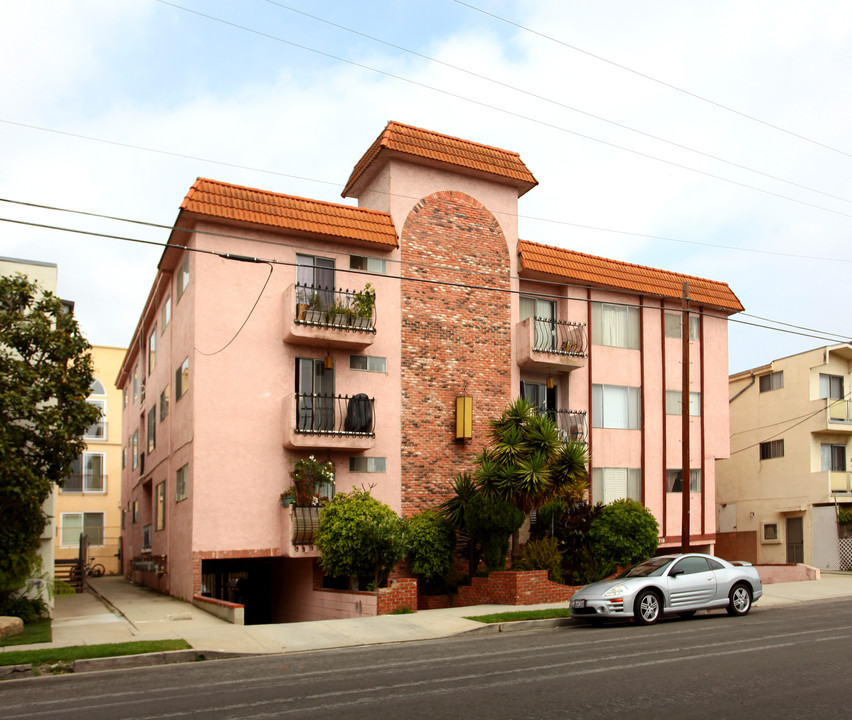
(559,337)
(335,414)
(336,308)
(305,524)
(572,424)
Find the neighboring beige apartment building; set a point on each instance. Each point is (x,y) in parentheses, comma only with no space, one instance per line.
(90,499)
(788,472)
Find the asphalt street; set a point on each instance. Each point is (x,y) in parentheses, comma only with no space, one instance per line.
(786,661)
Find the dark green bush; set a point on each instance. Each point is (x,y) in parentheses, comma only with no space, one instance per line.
(490,521)
(430,541)
(542,554)
(29,609)
(624,533)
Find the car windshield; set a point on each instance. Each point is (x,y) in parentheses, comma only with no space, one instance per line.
(648,568)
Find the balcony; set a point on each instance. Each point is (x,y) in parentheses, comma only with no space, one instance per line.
(333,422)
(298,531)
(840,482)
(555,345)
(328,317)
(572,425)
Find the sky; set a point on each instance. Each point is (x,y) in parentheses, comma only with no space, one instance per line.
(710,139)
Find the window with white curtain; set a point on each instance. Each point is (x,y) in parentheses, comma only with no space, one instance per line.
(615,406)
(833,457)
(609,484)
(615,325)
(830,386)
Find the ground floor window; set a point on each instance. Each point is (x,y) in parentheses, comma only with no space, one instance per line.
(609,484)
(73,525)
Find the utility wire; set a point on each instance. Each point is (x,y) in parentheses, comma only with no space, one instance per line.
(552,101)
(504,111)
(407,278)
(656,80)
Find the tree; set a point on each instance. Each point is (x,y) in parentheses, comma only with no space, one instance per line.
(490,521)
(431,541)
(624,532)
(45,377)
(359,538)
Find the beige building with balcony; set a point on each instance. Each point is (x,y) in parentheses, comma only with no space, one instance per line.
(788,474)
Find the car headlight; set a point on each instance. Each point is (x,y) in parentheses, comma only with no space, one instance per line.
(617,590)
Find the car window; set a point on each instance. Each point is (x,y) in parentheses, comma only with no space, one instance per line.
(715,565)
(648,568)
(690,565)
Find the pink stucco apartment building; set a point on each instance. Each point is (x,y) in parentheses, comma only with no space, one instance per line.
(243,363)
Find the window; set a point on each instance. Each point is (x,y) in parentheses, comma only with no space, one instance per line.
(87,474)
(315,276)
(831,386)
(691,566)
(182,380)
(166,313)
(544,312)
(183,276)
(164,403)
(370,264)
(615,325)
(97,430)
(152,350)
(674,400)
(135,382)
(124,397)
(315,390)
(367,464)
(674,480)
(97,388)
(368,362)
(152,430)
(160,513)
(73,525)
(180,483)
(135,510)
(124,457)
(134,450)
(770,532)
(771,449)
(610,484)
(833,457)
(773,381)
(615,406)
(539,395)
(674,321)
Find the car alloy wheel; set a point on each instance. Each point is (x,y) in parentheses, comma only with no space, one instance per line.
(740,600)
(646,610)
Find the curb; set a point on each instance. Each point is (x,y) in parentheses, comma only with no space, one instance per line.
(168,657)
(519,625)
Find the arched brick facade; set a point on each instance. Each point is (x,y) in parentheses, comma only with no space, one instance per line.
(454,334)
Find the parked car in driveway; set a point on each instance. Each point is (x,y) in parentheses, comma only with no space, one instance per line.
(670,584)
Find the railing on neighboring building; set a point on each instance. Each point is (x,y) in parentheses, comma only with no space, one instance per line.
(572,424)
(559,337)
(840,481)
(335,414)
(335,308)
(839,411)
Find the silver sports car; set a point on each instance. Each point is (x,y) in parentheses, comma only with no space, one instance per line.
(681,584)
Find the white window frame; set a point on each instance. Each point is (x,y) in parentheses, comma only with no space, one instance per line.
(78,528)
(365,263)
(81,463)
(100,424)
(134,450)
(615,325)
(674,399)
(675,474)
(183,277)
(828,386)
(166,313)
(827,452)
(610,484)
(612,396)
(360,464)
(371,363)
(771,381)
(674,329)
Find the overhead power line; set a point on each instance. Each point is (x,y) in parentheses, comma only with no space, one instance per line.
(626,68)
(803,332)
(504,111)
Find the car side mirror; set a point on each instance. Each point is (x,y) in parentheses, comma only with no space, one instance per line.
(675,573)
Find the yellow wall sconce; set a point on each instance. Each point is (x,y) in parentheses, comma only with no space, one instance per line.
(464,418)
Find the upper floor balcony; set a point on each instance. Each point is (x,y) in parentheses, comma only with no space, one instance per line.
(329,317)
(837,417)
(555,345)
(332,422)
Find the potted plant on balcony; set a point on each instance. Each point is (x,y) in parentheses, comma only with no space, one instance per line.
(288,497)
(315,314)
(313,481)
(364,302)
(340,314)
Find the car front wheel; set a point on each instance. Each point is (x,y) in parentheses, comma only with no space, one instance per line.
(647,608)
(740,600)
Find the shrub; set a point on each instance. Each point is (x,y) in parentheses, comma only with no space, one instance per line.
(844,516)
(624,533)
(359,537)
(490,521)
(431,541)
(29,609)
(542,554)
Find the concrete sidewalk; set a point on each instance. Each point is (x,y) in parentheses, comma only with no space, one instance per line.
(115,610)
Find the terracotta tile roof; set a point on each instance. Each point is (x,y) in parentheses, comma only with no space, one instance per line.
(475,159)
(301,215)
(602,272)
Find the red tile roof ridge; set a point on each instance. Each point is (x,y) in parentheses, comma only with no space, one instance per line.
(402,139)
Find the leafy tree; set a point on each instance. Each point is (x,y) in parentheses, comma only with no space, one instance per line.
(359,537)
(624,533)
(431,541)
(45,376)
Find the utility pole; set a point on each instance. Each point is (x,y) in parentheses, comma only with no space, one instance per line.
(684,434)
